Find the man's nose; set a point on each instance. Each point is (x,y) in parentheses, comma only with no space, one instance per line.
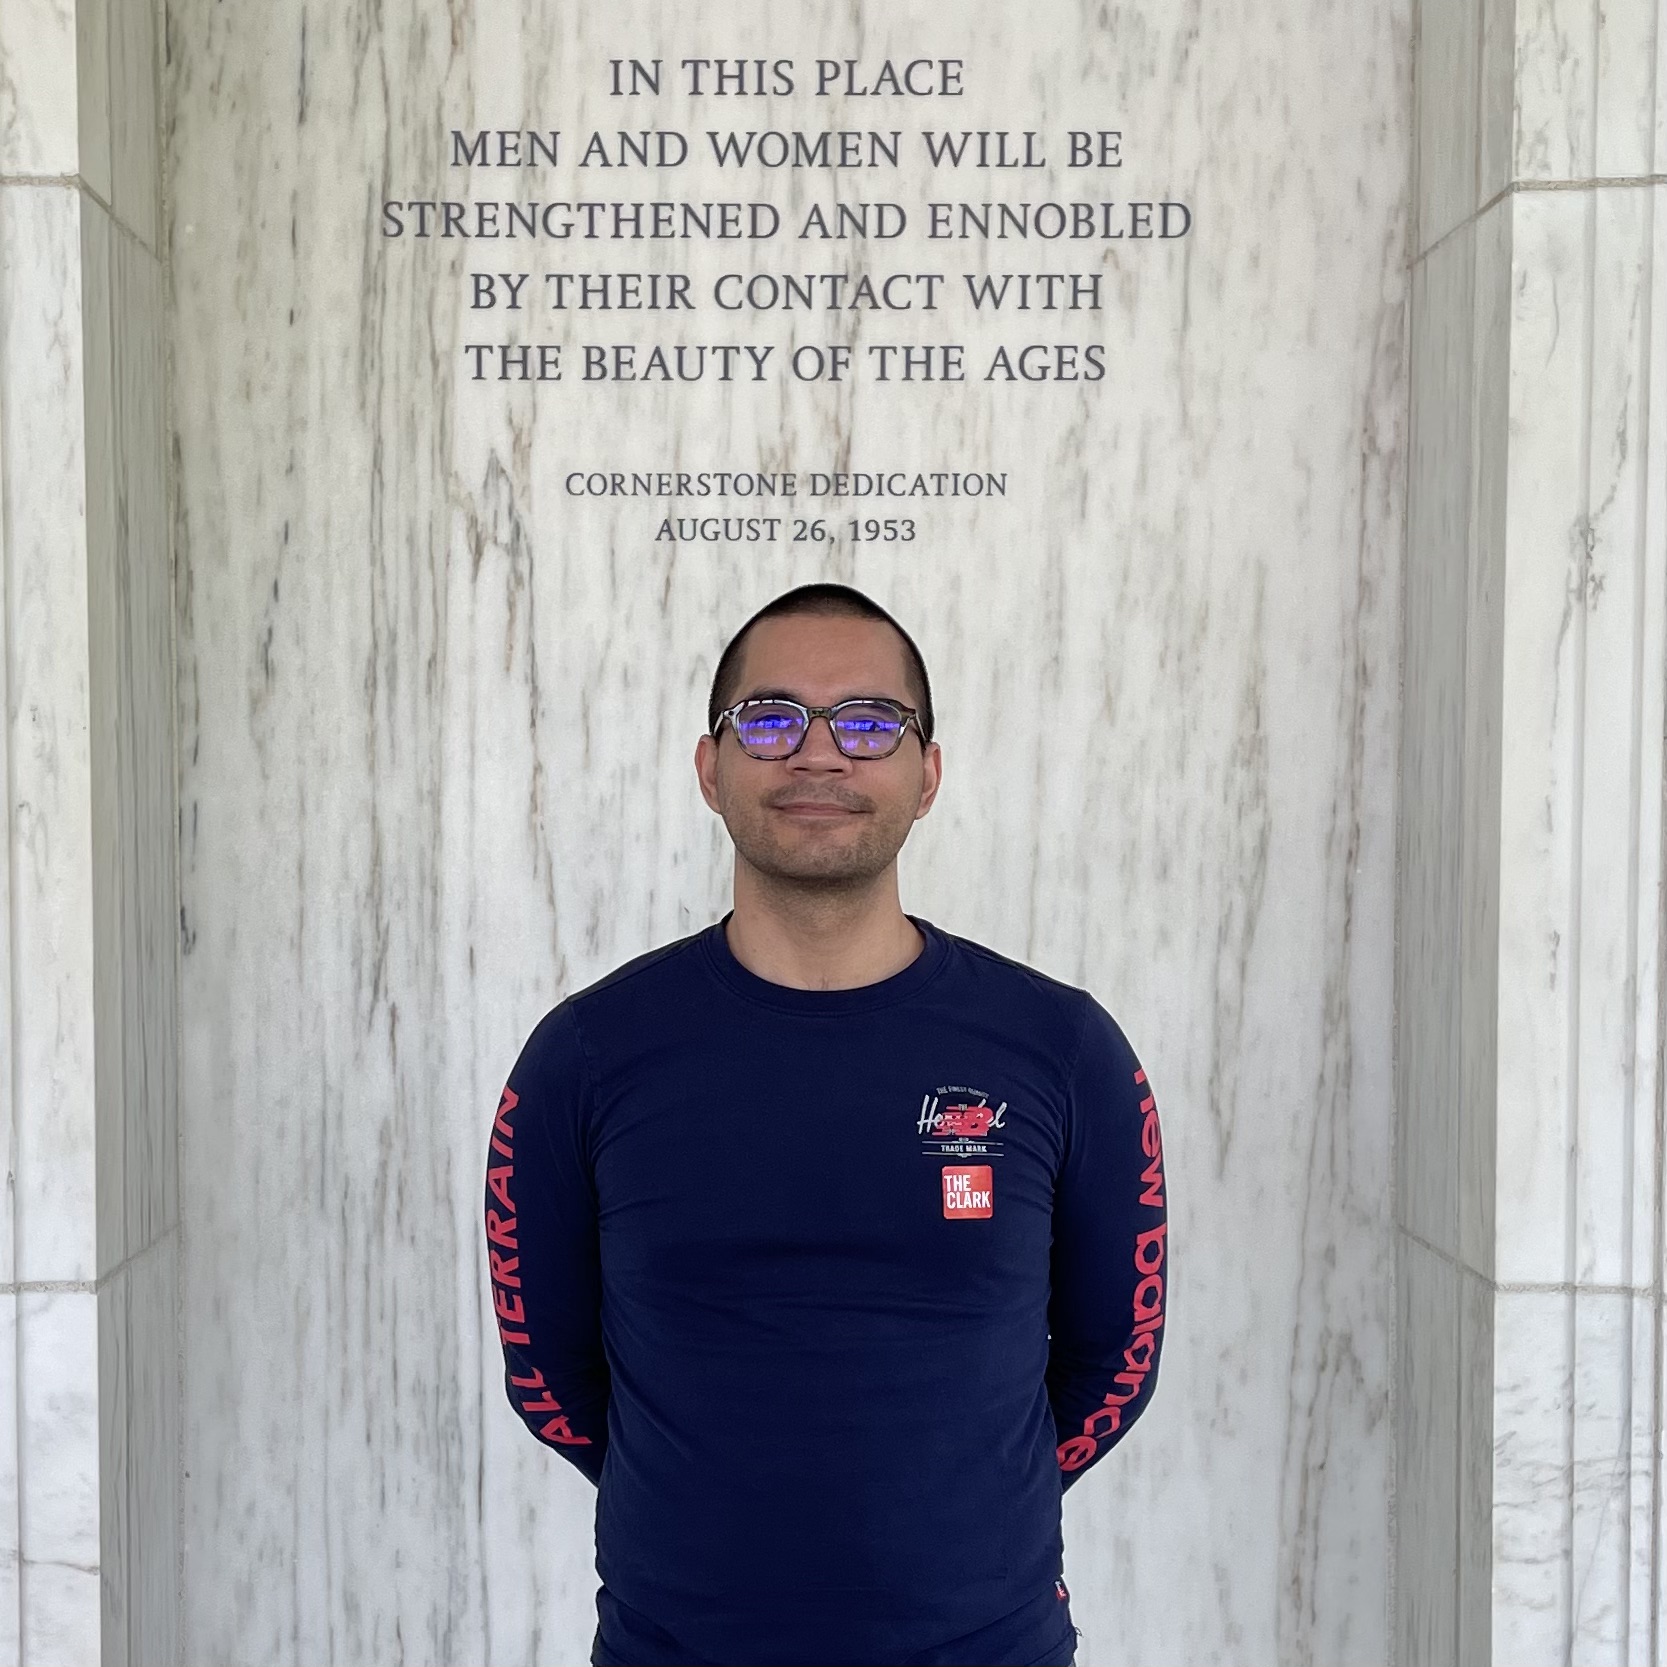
(820,751)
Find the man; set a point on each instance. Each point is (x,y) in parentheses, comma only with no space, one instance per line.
(830,1245)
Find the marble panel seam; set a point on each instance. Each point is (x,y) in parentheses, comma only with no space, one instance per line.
(1648,523)
(116,219)
(1463,225)
(20,1287)
(1509,1287)
(74,182)
(1575,855)
(1658,1364)
(1640,714)
(1445,1256)
(1521,187)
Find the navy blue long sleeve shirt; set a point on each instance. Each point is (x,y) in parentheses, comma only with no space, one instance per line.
(832,1293)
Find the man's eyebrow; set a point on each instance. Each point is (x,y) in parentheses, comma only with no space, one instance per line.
(789,694)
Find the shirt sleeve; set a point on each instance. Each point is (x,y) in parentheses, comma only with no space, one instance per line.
(542,1247)
(1110,1244)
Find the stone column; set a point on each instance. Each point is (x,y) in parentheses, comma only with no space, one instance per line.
(1530,906)
(89,1398)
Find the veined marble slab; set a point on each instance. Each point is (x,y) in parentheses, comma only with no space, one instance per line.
(436,722)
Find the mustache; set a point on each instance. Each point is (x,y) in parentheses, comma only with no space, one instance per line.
(784,797)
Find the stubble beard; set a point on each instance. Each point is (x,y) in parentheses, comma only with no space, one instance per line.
(822,866)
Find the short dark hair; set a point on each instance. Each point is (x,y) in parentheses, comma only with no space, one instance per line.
(827,599)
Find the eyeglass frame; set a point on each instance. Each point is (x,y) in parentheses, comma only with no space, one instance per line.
(910,714)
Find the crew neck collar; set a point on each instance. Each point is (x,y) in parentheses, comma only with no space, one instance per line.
(786,998)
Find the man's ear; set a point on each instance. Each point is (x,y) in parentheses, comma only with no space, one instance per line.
(706,770)
(931,771)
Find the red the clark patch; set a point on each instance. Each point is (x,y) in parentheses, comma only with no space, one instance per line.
(967,1192)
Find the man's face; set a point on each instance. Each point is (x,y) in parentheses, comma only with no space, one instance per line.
(820,818)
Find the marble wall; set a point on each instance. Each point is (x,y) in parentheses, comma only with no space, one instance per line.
(407,821)
(436,724)
(89,1463)
(1531,907)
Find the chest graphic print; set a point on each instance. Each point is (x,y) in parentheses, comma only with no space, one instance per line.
(959,1122)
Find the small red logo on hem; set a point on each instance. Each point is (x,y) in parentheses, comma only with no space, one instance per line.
(967,1191)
